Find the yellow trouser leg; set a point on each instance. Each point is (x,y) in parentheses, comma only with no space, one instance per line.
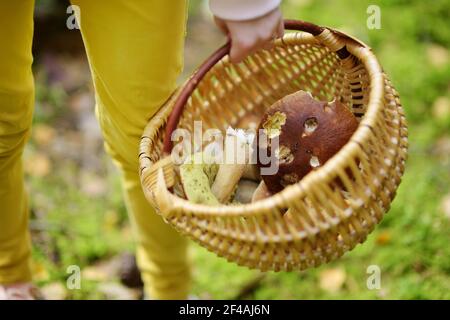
(16,110)
(135,52)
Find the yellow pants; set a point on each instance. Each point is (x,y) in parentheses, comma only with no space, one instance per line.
(135,54)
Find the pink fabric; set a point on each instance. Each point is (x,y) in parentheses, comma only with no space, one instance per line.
(242,9)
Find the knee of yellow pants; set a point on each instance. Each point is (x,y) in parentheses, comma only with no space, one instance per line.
(16,115)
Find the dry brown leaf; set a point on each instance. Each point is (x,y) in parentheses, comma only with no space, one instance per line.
(332,280)
(38,165)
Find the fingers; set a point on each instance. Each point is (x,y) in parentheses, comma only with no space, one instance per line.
(247,42)
(240,48)
(247,37)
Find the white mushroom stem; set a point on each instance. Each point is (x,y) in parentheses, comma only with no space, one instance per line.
(235,158)
(261,192)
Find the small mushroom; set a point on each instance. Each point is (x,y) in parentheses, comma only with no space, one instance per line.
(309,131)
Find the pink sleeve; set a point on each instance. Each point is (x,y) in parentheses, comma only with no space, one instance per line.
(242,9)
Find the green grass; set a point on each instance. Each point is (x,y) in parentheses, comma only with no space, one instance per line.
(411,245)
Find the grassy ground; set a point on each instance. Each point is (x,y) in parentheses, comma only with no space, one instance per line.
(78,216)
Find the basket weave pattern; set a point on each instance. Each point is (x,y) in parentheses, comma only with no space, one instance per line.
(334,207)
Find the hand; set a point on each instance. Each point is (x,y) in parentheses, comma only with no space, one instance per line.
(249,36)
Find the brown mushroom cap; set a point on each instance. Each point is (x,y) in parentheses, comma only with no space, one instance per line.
(310,132)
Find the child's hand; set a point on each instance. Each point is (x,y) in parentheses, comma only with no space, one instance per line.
(249,36)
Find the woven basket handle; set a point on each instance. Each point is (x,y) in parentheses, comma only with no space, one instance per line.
(192,83)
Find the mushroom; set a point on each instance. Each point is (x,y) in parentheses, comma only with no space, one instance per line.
(309,131)
(197,174)
(236,157)
(250,123)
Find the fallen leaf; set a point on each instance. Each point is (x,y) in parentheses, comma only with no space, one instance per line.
(332,280)
(384,237)
(54,291)
(43,134)
(438,56)
(38,165)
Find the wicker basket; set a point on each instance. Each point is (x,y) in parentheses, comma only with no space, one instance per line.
(326,221)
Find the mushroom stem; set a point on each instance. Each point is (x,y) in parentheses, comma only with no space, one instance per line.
(196,175)
(261,192)
(234,162)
